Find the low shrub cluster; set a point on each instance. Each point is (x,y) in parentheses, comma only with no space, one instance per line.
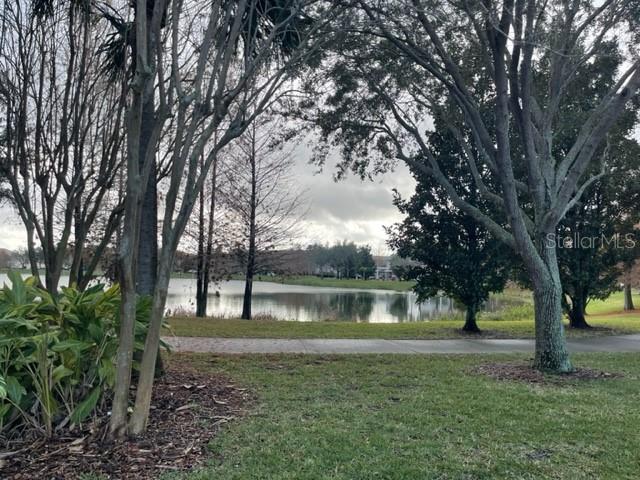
(57,353)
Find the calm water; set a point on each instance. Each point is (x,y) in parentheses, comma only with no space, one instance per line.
(307,304)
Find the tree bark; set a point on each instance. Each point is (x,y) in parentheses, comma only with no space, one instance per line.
(201,301)
(251,254)
(248,290)
(150,356)
(628,297)
(577,313)
(203,295)
(470,324)
(251,266)
(148,244)
(124,358)
(551,349)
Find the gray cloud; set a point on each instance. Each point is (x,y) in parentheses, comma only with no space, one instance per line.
(350,209)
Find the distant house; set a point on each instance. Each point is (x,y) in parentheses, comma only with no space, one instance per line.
(383,268)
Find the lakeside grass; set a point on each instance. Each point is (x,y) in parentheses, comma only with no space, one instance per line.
(515,321)
(412,417)
(437,329)
(315,281)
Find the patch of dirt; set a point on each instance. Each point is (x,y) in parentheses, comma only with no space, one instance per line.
(188,409)
(519,372)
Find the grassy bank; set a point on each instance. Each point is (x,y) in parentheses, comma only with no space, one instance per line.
(313,281)
(414,417)
(438,329)
(516,321)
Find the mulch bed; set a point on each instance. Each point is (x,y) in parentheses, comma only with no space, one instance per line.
(520,372)
(188,409)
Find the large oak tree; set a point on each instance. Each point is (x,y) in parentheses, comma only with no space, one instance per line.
(402,63)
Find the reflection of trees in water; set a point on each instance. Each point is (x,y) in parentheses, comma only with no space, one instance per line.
(321,304)
(352,306)
(399,307)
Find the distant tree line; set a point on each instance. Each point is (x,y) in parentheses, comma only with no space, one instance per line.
(342,260)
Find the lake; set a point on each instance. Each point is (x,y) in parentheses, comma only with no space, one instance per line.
(308,304)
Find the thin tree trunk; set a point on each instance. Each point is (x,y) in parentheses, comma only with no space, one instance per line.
(137,124)
(470,324)
(628,297)
(33,260)
(204,252)
(251,266)
(251,254)
(248,290)
(551,349)
(151,355)
(148,245)
(209,248)
(201,301)
(128,248)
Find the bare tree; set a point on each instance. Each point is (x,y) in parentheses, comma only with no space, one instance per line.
(205,243)
(214,70)
(61,143)
(404,62)
(263,198)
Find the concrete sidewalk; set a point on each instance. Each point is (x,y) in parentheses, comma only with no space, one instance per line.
(622,343)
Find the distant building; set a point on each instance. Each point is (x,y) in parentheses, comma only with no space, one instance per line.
(383,268)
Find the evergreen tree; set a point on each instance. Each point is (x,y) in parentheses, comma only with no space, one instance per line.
(452,252)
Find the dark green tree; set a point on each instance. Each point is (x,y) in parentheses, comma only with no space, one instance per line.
(346,259)
(451,251)
(595,239)
(598,238)
(366,264)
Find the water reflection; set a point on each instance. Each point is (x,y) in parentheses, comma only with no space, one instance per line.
(308,304)
(294,302)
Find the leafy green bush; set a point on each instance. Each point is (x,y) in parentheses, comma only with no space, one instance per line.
(58,353)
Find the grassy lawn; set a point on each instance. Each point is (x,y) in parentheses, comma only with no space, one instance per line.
(423,417)
(613,304)
(313,281)
(512,322)
(437,329)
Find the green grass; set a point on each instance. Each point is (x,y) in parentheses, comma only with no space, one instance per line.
(512,322)
(313,281)
(422,417)
(613,304)
(438,329)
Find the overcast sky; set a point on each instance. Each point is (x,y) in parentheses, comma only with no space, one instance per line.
(352,209)
(347,210)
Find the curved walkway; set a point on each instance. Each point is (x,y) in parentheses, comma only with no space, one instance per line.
(621,343)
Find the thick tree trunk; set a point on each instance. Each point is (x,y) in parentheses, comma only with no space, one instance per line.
(470,324)
(577,318)
(52,279)
(628,297)
(577,315)
(551,350)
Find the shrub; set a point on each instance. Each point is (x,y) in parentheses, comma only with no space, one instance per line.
(57,353)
